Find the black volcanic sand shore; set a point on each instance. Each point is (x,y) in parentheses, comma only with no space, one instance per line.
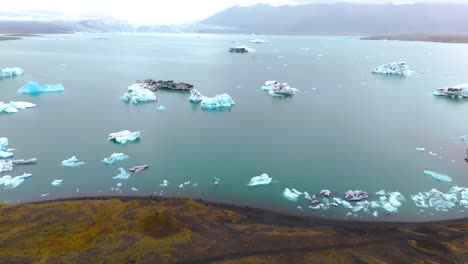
(173,230)
(443,38)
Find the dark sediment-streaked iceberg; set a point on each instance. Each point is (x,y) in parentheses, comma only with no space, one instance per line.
(34,88)
(394,68)
(11,72)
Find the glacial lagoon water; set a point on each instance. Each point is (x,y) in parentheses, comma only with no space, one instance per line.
(346,129)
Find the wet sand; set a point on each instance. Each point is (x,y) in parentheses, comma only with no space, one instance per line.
(173,230)
(442,38)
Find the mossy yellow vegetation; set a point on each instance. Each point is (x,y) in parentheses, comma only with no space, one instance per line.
(175,230)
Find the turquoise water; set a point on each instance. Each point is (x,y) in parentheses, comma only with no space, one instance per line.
(346,129)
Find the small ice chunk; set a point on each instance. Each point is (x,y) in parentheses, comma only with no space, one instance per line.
(137,94)
(134,189)
(181,186)
(114,158)
(123,175)
(4,144)
(438,176)
(25,161)
(13,182)
(374,204)
(325,193)
(381,193)
(389,207)
(119,184)
(161,108)
(6,165)
(291,195)
(139,168)
(217,102)
(432,153)
(5,154)
(14,107)
(45,194)
(216,180)
(394,68)
(259,41)
(11,72)
(275,88)
(72,162)
(34,88)
(420,149)
(357,208)
(356,195)
(124,136)
(375,214)
(263,179)
(165,183)
(57,183)
(195,96)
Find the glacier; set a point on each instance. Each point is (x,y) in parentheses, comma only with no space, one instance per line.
(263,179)
(11,183)
(438,176)
(34,88)
(123,175)
(14,107)
(123,137)
(394,68)
(72,162)
(11,72)
(137,94)
(114,158)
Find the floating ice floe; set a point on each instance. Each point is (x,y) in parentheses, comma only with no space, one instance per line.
(72,162)
(6,165)
(34,88)
(45,194)
(275,88)
(4,151)
(420,149)
(124,136)
(139,168)
(216,181)
(394,68)
(137,94)
(123,175)
(456,91)
(114,158)
(259,41)
(25,161)
(10,183)
(161,108)
(11,72)
(195,96)
(438,176)
(356,195)
(291,194)
(326,193)
(165,183)
(217,102)
(134,189)
(433,153)
(57,183)
(14,107)
(263,179)
(442,201)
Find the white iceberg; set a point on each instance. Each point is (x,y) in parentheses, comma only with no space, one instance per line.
(124,136)
(72,162)
(123,175)
(114,158)
(291,195)
(6,165)
(195,96)
(438,176)
(217,102)
(275,88)
(14,107)
(165,183)
(394,68)
(259,41)
(161,108)
(57,183)
(137,94)
(11,72)
(440,201)
(34,88)
(420,149)
(11,183)
(263,179)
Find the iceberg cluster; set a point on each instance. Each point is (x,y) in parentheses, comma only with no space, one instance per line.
(438,176)
(137,94)
(34,88)
(217,102)
(275,88)
(440,201)
(12,182)
(4,151)
(72,162)
(11,72)
(125,136)
(394,68)
(14,107)
(114,158)
(123,175)
(263,179)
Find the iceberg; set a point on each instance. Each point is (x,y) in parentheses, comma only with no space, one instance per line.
(6,165)
(394,68)
(11,72)
(57,183)
(195,96)
(25,162)
(14,107)
(438,176)
(138,169)
(356,195)
(161,108)
(123,175)
(165,183)
(5,154)
(11,183)
(137,94)
(217,102)
(259,41)
(420,149)
(291,195)
(34,88)
(456,91)
(275,88)
(241,49)
(114,158)
(326,193)
(263,179)
(72,162)
(440,201)
(124,136)
(3,144)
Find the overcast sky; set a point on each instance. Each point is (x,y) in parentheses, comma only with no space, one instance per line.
(157,11)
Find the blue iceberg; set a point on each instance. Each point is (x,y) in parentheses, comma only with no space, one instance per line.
(195,96)
(11,72)
(14,107)
(217,102)
(438,176)
(11,183)
(137,94)
(114,158)
(394,68)
(440,201)
(123,175)
(72,162)
(34,88)
(4,151)
(263,179)
(124,136)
